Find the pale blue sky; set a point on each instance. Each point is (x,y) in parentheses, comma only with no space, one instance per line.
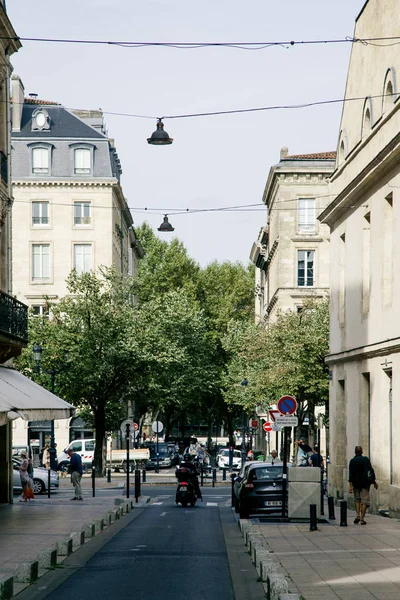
(214,161)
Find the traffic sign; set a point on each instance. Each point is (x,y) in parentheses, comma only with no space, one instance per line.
(273,414)
(253,424)
(287,421)
(157,427)
(124,424)
(267,427)
(287,405)
(135,426)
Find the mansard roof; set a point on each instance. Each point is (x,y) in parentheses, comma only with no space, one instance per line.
(63,123)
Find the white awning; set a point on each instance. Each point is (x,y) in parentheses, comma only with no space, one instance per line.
(20,396)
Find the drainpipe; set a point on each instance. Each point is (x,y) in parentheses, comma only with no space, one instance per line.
(9,186)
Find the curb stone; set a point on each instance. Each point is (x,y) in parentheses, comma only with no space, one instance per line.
(78,539)
(26,572)
(276,585)
(48,558)
(6,587)
(64,547)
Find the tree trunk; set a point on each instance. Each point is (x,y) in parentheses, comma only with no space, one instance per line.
(232,440)
(99,423)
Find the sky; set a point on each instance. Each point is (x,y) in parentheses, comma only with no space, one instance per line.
(214,161)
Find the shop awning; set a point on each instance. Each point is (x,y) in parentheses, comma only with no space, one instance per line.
(22,397)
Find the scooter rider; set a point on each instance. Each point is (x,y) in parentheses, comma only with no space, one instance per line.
(187,464)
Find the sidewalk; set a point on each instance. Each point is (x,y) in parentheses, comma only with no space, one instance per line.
(27,529)
(351,563)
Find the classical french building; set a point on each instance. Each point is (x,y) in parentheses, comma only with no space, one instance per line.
(292,251)
(69,213)
(364,219)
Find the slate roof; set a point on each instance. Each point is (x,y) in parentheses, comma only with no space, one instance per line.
(63,124)
(315,156)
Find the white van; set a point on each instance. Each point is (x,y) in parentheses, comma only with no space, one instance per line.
(85,448)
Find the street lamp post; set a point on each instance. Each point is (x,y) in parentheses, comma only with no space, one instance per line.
(243,448)
(37,356)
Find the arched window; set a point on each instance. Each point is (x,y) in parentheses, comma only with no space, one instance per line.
(389,91)
(342,148)
(367,118)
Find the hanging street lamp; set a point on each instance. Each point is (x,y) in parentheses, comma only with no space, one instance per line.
(166,226)
(160,137)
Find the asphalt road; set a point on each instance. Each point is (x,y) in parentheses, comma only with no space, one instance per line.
(165,552)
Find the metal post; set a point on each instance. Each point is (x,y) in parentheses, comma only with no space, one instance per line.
(284,471)
(343,513)
(232,489)
(93,480)
(53,459)
(243,447)
(313,517)
(331,508)
(223,474)
(322,492)
(144,475)
(127,459)
(108,475)
(202,477)
(214,477)
(157,469)
(48,483)
(137,484)
(230,459)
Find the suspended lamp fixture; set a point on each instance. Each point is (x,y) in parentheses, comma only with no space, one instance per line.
(159,137)
(166,225)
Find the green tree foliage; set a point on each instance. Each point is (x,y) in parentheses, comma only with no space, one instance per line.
(285,358)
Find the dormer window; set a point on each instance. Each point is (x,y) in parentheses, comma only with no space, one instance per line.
(40,120)
(82,161)
(40,160)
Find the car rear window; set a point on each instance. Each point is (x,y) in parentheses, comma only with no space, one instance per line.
(236,453)
(264,473)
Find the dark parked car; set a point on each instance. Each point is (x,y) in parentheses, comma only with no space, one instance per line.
(166,456)
(258,488)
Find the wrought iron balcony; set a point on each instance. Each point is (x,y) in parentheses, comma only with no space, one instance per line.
(13,318)
(3,167)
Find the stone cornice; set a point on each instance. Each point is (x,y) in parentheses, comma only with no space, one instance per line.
(294,176)
(383,348)
(64,183)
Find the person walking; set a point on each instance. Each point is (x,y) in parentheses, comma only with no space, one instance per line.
(75,468)
(24,468)
(46,457)
(275,458)
(361,477)
(316,459)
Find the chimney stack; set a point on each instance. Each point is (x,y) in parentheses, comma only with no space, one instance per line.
(17,93)
(284,152)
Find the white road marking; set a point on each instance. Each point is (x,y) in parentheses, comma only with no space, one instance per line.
(163,514)
(212,503)
(141,545)
(156,503)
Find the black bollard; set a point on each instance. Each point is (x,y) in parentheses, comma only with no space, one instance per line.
(144,475)
(233,477)
(214,477)
(108,475)
(343,513)
(331,508)
(223,474)
(48,483)
(137,484)
(202,477)
(93,481)
(322,493)
(313,517)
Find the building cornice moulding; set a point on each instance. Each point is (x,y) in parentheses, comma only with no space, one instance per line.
(64,183)
(383,348)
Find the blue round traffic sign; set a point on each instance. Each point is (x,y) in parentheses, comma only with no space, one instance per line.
(287,405)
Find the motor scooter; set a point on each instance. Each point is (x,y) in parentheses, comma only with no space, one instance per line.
(185,493)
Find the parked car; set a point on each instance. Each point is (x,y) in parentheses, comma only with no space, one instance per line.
(165,459)
(259,489)
(40,478)
(222,460)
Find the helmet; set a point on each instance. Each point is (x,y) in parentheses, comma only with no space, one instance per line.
(186,458)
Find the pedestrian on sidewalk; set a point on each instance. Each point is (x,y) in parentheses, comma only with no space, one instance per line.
(75,468)
(46,457)
(24,468)
(274,458)
(316,459)
(361,477)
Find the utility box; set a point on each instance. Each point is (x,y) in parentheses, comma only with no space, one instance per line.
(304,488)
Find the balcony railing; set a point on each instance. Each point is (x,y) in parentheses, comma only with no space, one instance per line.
(13,317)
(3,167)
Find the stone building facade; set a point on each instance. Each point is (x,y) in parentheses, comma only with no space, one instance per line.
(69,213)
(364,219)
(292,252)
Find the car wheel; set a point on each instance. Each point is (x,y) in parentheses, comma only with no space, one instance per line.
(38,487)
(243,512)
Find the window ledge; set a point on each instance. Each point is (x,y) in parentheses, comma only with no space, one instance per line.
(306,238)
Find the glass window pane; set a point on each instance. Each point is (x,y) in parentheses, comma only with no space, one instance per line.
(40,160)
(306,215)
(82,258)
(82,160)
(40,261)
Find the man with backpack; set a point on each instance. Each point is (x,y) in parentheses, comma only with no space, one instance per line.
(361,477)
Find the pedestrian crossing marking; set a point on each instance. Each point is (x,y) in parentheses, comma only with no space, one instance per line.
(212,503)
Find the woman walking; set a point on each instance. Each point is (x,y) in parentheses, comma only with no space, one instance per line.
(24,469)
(46,457)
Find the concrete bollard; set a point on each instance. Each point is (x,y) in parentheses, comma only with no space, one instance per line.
(6,587)
(268,566)
(99,525)
(47,559)
(289,597)
(90,530)
(276,585)
(26,572)
(64,548)
(107,519)
(78,539)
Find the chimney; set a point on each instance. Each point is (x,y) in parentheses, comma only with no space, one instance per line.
(284,152)
(17,93)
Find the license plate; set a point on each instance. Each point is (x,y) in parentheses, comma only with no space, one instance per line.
(183,488)
(273,503)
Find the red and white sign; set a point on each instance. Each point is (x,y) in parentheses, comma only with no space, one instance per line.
(267,427)
(273,414)
(135,426)
(254,423)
